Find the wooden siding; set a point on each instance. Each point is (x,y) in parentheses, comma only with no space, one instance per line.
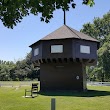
(67,47)
(39,56)
(76,49)
(71,51)
(62,76)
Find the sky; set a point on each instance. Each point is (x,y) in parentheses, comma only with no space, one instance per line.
(14,43)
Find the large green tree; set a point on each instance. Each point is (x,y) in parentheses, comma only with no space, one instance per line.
(13,11)
(100,29)
(104,59)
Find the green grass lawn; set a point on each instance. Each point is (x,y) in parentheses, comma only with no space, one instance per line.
(97,98)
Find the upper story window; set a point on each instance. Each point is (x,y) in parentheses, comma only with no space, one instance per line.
(84,49)
(56,48)
(36,51)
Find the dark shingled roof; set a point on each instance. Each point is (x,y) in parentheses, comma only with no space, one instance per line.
(66,32)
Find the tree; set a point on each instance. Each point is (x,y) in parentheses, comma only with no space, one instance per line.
(21,70)
(5,68)
(104,59)
(33,72)
(13,11)
(101,71)
(99,29)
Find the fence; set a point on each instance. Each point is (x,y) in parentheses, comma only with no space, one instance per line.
(15,83)
(99,83)
(28,83)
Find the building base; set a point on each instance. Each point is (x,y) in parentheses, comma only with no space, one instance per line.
(62,76)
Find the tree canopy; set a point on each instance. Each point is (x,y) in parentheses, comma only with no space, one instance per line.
(104,58)
(13,11)
(100,29)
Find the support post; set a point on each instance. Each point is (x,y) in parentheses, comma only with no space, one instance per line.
(84,77)
(53,104)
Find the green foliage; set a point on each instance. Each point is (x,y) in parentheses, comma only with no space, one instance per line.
(13,11)
(100,29)
(90,73)
(102,70)
(104,58)
(5,68)
(21,70)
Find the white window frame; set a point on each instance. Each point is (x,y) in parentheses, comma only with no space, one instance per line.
(56,48)
(36,51)
(84,49)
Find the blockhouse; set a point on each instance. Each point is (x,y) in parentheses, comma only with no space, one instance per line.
(63,56)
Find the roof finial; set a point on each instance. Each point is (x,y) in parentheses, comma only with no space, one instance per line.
(64,18)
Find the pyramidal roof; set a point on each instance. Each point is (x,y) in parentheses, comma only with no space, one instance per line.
(65,32)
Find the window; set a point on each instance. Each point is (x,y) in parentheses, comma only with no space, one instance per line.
(36,51)
(56,48)
(84,49)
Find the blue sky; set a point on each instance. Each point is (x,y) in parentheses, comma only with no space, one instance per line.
(14,43)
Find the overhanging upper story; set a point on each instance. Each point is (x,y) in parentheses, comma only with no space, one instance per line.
(65,44)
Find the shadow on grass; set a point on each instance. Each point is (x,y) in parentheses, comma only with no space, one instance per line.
(89,93)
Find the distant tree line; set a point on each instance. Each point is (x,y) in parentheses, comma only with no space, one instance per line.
(19,71)
(100,29)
